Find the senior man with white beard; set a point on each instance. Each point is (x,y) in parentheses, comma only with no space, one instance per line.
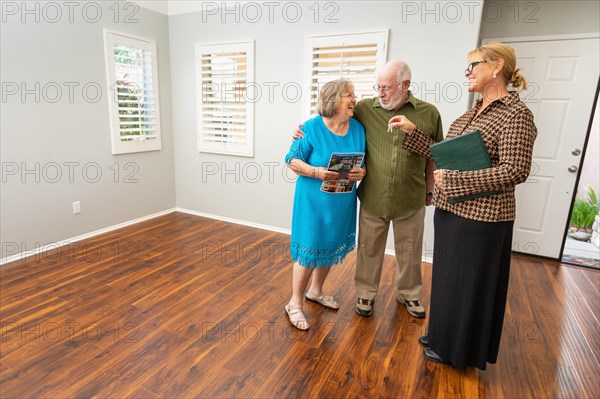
(396,189)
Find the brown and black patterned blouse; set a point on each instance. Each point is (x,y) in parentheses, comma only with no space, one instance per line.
(508,131)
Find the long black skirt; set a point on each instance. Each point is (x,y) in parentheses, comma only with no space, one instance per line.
(471,267)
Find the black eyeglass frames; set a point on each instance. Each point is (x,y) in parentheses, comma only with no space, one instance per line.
(473,65)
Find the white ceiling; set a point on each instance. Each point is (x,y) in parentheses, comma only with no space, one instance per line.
(174,7)
(158,6)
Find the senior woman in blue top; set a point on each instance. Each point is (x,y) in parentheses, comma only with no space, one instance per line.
(323,224)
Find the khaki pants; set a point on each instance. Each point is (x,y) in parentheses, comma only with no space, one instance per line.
(408,240)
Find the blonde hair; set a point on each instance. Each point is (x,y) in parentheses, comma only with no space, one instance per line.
(330,96)
(492,52)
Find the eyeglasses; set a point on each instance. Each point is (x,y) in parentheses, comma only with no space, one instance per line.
(384,89)
(473,65)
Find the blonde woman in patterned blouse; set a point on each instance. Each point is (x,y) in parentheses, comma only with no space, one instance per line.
(473,238)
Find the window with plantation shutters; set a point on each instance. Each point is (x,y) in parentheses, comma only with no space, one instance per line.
(355,57)
(225,98)
(132,75)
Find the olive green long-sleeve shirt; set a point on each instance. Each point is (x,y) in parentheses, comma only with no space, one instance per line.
(394,186)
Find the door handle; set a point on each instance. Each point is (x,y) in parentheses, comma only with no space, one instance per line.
(576,151)
(572,169)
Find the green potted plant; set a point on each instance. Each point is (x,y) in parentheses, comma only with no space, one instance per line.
(583,215)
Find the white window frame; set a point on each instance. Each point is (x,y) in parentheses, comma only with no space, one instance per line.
(362,85)
(145,142)
(215,91)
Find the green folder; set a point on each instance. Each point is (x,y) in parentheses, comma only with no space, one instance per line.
(464,152)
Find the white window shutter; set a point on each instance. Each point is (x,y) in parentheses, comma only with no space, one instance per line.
(355,57)
(225,98)
(132,76)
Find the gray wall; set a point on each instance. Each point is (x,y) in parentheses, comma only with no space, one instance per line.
(433,37)
(510,18)
(435,49)
(57,132)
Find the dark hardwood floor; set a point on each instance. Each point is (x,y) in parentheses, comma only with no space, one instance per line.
(182,306)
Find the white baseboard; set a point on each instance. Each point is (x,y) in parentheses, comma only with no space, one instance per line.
(390,252)
(23,255)
(36,251)
(236,221)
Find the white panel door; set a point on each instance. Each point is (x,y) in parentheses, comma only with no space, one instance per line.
(563,78)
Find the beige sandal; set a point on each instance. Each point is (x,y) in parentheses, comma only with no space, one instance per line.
(296,316)
(324,300)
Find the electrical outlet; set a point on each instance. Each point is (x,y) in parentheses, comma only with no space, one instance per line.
(76,207)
